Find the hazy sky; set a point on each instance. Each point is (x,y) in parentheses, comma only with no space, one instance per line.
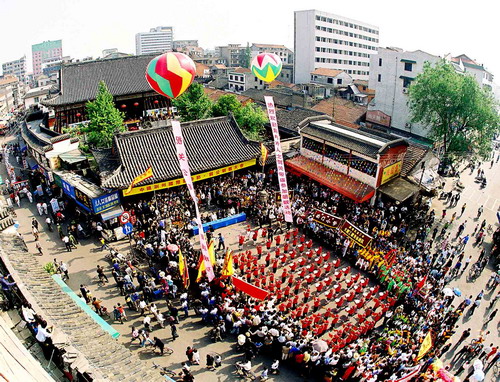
(89,26)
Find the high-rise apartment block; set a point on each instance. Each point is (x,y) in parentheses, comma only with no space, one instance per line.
(15,68)
(157,40)
(43,52)
(325,40)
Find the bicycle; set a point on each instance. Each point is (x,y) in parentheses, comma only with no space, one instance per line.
(164,371)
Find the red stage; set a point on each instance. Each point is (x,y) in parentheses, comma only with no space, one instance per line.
(343,184)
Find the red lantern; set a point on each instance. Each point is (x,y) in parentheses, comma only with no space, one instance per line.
(156,101)
(136,104)
(78,115)
(123,106)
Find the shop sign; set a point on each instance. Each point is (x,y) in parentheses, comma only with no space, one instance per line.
(83,199)
(355,234)
(391,171)
(326,219)
(68,189)
(196,178)
(105,202)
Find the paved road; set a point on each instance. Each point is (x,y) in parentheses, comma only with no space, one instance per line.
(83,260)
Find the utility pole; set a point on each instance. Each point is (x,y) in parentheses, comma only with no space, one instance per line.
(422,166)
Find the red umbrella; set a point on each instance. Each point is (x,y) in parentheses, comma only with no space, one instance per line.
(173,247)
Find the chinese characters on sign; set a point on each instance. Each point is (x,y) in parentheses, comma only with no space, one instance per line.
(355,234)
(326,219)
(105,202)
(280,164)
(184,165)
(391,171)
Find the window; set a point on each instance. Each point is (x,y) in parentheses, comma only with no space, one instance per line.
(379,78)
(406,82)
(339,81)
(231,77)
(379,62)
(329,80)
(255,79)
(408,66)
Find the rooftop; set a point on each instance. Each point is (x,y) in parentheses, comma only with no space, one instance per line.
(123,76)
(240,70)
(360,141)
(210,144)
(326,72)
(345,110)
(276,46)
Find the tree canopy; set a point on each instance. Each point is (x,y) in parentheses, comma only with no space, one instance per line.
(193,104)
(105,120)
(462,117)
(251,118)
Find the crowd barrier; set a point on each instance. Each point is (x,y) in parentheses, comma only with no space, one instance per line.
(222,222)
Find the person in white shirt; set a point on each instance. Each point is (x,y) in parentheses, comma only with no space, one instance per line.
(42,332)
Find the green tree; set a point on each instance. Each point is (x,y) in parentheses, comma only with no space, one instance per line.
(252,119)
(461,116)
(194,104)
(247,57)
(105,120)
(226,104)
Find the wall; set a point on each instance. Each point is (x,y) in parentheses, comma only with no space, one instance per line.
(389,95)
(304,44)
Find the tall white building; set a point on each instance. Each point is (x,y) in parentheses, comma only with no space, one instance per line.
(392,71)
(157,40)
(325,40)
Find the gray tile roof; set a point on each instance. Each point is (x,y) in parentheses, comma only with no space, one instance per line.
(344,140)
(290,119)
(106,359)
(210,143)
(123,76)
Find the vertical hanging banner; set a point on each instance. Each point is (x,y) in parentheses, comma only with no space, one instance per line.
(280,163)
(186,173)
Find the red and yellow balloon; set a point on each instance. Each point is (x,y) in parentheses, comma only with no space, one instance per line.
(266,66)
(170,74)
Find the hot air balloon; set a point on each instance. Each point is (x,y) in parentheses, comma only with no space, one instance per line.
(170,74)
(266,66)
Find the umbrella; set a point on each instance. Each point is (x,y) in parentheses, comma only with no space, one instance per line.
(447,292)
(320,345)
(457,292)
(172,247)
(478,375)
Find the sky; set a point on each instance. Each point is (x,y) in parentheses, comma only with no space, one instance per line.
(87,27)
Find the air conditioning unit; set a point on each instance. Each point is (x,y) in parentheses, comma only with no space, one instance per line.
(405,90)
(408,125)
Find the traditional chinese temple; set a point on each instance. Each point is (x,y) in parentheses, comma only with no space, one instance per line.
(125,80)
(354,162)
(215,146)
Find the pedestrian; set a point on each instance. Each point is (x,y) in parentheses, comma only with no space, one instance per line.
(39,208)
(97,305)
(479,212)
(173,329)
(117,315)
(463,209)
(159,344)
(45,208)
(196,357)
(467,262)
(34,223)
(63,268)
(60,231)
(35,232)
(491,317)
(72,240)
(38,247)
(67,243)
(100,273)
(49,223)
(189,354)
(85,293)
(221,242)
(443,214)
(121,309)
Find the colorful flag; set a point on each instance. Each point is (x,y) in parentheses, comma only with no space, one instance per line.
(421,283)
(411,373)
(251,290)
(264,152)
(228,268)
(139,178)
(211,252)
(426,346)
(183,270)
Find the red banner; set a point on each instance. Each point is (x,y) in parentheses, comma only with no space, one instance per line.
(251,290)
(326,219)
(355,234)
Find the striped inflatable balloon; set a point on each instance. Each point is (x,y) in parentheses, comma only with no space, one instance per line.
(266,66)
(170,74)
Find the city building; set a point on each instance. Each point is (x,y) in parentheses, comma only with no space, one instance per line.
(241,79)
(234,55)
(391,72)
(16,68)
(9,94)
(36,95)
(282,51)
(157,40)
(44,52)
(331,41)
(483,77)
(180,44)
(79,84)
(353,162)
(286,74)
